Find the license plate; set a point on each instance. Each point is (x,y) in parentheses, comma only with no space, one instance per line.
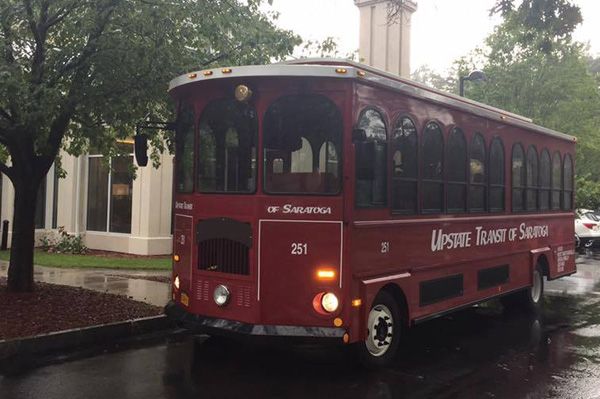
(185,299)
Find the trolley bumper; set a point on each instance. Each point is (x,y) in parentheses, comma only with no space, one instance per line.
(202,324)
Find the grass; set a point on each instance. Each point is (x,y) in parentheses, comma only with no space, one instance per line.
(93,261)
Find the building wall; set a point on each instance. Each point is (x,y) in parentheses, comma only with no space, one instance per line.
(381,44)
(150,208)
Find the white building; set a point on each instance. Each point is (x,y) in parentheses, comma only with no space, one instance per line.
(112,211)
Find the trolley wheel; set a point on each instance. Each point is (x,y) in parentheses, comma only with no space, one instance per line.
(529,299)
(384,331)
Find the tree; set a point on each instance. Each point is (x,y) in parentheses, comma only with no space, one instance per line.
(542,25)
(80,73)
(427,76)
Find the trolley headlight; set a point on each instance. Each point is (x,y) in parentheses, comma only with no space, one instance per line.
(221,295)
(176,282)
(330,302)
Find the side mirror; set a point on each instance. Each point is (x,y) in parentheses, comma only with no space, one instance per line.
(359,135)
(141,149)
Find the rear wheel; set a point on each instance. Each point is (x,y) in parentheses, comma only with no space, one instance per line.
(530,298)
(384,330)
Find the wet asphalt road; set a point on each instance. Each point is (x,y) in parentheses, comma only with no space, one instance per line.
(481,352)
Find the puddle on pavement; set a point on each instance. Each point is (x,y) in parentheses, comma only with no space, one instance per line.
(152,292)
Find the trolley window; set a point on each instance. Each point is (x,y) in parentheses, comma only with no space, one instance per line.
(457,171)
(184,143)
(227,148)
(404,160)
(302,145)
(518,178)
(477,174)
(433,169)
(496,176)
(371,160)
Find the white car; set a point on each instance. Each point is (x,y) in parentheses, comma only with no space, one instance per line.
(587,228)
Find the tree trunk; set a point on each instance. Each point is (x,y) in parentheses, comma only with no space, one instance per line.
(20,270)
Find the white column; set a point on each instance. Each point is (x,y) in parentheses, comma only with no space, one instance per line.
(383,45)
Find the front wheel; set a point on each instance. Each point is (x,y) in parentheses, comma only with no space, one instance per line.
(384,330)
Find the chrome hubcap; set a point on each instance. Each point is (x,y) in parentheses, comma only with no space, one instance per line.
(536,289)
(380,329)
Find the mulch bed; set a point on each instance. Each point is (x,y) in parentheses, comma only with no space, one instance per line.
(57,307)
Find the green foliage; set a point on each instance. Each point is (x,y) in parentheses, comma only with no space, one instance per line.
(540,25)
(63,243)
(427,76)
(325,48)
(587,195)
(108,62)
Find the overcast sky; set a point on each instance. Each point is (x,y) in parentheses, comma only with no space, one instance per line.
(442,30)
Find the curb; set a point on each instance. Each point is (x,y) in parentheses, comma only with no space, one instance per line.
(25,349)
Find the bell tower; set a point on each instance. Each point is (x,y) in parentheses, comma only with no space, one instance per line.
(382,44)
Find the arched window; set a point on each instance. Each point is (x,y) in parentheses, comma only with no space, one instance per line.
(532,179)
(432,167)
(404,161)
(545,180)
(184,143)
(556,180)
(227,148)
(518,178)
(496,169)
(477,175)
(567,202)
(296,128)
(457,171)
(371,160)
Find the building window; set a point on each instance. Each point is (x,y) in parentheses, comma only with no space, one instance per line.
(55,199)
(477,183)
(457,171)
(109,194)
(432,167)
(40,206)
(545,180)
(371,161)
(405,167)
(496,169)
(531,201)
(556,180)
(518,178)
(567,202)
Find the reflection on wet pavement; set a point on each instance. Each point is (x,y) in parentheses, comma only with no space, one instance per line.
(104,280)
(481,352)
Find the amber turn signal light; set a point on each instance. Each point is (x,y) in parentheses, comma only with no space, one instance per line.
(176,258)
(325,274)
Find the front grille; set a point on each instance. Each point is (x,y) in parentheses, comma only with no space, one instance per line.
(223,255)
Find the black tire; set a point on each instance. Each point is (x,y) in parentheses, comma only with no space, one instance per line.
(531,298)
(380,349)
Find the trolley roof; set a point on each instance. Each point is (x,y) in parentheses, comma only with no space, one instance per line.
(345,69)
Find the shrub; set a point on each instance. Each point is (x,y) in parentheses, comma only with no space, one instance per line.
(63,243)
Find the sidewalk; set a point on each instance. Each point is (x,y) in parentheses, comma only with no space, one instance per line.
(106,280)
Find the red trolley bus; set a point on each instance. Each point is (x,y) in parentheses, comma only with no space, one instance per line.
(329,199)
